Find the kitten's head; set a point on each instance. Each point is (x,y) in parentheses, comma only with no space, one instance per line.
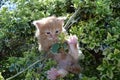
(50,27)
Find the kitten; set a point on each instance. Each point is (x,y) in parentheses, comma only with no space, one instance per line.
(48,30)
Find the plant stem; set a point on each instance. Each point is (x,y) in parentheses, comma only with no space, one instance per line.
(23,70)
(71,20)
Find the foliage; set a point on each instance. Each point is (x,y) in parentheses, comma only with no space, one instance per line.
(97,27)
(99,37)
(61,45)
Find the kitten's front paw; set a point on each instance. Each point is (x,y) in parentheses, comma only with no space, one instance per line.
(52,74)
(72,39)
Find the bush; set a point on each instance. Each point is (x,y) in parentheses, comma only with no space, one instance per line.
(97,26)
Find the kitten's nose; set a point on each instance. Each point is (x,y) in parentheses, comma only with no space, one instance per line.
(54,37)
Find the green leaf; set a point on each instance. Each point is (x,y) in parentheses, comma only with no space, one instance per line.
(85,41)
(92,46)
(100,68)
(65,46)
(105,62)
(1,77)
(109,56)
(109,36)
(116,51)
(110,74)
(62,37)
(55,48)
(12,68)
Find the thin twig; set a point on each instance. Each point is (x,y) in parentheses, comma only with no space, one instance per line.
(23,70)
(71,19)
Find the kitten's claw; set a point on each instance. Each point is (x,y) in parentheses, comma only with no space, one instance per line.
(72,39)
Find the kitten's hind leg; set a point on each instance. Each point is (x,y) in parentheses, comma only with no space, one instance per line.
(54,74)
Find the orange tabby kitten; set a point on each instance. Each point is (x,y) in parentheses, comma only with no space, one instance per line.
(48,30)
(47,33)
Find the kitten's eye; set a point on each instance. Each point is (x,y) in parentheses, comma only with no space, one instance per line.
(48,32)
(56,31)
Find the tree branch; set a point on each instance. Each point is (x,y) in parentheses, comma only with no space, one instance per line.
(71,20)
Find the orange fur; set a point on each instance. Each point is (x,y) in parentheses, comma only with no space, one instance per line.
(67,62)
(48,30)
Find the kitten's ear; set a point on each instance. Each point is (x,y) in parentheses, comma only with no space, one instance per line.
(37,24)
(62,18)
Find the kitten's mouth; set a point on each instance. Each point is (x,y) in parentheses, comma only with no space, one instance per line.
(55,40)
